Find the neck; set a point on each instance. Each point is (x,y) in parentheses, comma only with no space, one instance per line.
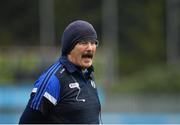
(73,62)
(84,70)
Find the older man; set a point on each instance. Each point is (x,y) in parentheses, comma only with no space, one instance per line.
(66,91)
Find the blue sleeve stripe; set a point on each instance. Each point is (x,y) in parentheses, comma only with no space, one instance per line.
(36,101)
(44,86)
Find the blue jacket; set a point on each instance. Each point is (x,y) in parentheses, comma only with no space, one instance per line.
(63,94)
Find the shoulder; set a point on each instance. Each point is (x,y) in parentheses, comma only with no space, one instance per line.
(47,85)
(48,76)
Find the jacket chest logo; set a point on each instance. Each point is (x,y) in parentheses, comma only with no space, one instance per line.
(74,85)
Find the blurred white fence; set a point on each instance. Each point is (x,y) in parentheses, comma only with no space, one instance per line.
(143,104)
(119,109)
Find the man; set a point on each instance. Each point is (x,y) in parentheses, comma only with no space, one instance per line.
(66,92)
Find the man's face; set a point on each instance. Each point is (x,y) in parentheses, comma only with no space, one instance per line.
(82,54)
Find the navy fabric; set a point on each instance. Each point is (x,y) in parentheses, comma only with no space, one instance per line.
(64,94)
(74,32)
(79,103)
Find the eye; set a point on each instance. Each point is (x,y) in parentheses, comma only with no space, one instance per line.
(96,43)
(92,42)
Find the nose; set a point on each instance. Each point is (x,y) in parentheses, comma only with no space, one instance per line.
(90,46)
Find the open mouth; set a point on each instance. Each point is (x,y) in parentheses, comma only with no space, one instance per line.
(87,55)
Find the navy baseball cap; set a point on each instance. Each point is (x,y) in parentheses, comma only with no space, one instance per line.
(75,32)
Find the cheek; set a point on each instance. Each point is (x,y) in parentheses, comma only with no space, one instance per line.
(94,49)
(78,55)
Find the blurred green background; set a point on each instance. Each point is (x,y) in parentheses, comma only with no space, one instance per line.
(137,64)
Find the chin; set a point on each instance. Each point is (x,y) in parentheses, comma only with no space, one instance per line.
(86,66)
